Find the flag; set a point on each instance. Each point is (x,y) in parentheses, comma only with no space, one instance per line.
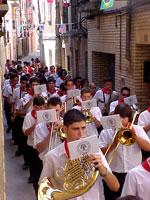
(105,4)
(50,1)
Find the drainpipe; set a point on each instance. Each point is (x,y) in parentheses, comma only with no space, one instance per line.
(128,29)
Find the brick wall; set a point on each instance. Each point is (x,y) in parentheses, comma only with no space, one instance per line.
(140,53)
(110,37)
(106,39)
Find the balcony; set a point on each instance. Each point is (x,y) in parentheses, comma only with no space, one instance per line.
(3,8)
(73,30)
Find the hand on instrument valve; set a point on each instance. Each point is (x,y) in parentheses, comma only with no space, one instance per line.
(96,162)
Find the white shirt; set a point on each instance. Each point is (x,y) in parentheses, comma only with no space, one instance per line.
(113,105)
(8,92)
(59,81)
(137,183)
(40,133)
(91,127)
(103,98)
(144,120)
(28,122)
(56,159)
(25,100)
(18,95)
(126,157)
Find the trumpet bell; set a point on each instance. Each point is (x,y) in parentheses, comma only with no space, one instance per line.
(88,117)
(126,136)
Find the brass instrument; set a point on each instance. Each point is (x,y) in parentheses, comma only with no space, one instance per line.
(60,133)
(125,136)
(88,116)
(79,176)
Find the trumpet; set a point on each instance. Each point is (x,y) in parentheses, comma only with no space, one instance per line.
(61,133)
(88,116)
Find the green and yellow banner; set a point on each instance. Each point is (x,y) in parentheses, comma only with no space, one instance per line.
(105,4)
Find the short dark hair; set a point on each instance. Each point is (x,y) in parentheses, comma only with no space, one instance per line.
(124,110)
(63,71)
(108,79)
(76,79)
(125,88)
(73,116)
(34,79)
(24,78)
(68,80)
(13,76)
(50,79)
(38,101)
(54,101)
(62,87)
(129,197)
(86,90)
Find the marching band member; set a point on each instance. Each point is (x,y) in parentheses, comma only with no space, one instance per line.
(126,157)
(144,121)
(43,131)
(62,78)
(28,98)
(125,92)
(75,129)
(19,93)
(29,124)
(51,89)
(137,181)
(86,94)
(8,99)
(105,96)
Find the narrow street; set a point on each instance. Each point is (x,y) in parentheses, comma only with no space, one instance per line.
(17,186)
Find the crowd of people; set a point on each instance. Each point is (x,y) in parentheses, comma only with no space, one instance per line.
(45,151)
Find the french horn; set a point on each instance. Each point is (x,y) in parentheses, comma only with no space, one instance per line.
(78,176)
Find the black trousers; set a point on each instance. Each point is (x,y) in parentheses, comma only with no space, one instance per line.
(110,195)
(35,167)
(20,138)
(7,109)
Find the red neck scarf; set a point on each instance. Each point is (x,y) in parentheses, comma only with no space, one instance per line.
(33,113)
(148,109)
(121,100)
(52,91)
(106,91)
(146,165)
(67,149)
(49,127)
(31,93)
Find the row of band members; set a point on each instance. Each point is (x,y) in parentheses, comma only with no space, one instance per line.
(33,139)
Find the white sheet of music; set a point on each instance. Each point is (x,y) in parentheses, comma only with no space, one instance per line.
(46,116)
(84,146)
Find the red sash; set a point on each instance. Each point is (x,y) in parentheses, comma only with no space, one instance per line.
(31,93)
(146,165)
(33,113)
(49,127)
(67,149)
(148,109)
